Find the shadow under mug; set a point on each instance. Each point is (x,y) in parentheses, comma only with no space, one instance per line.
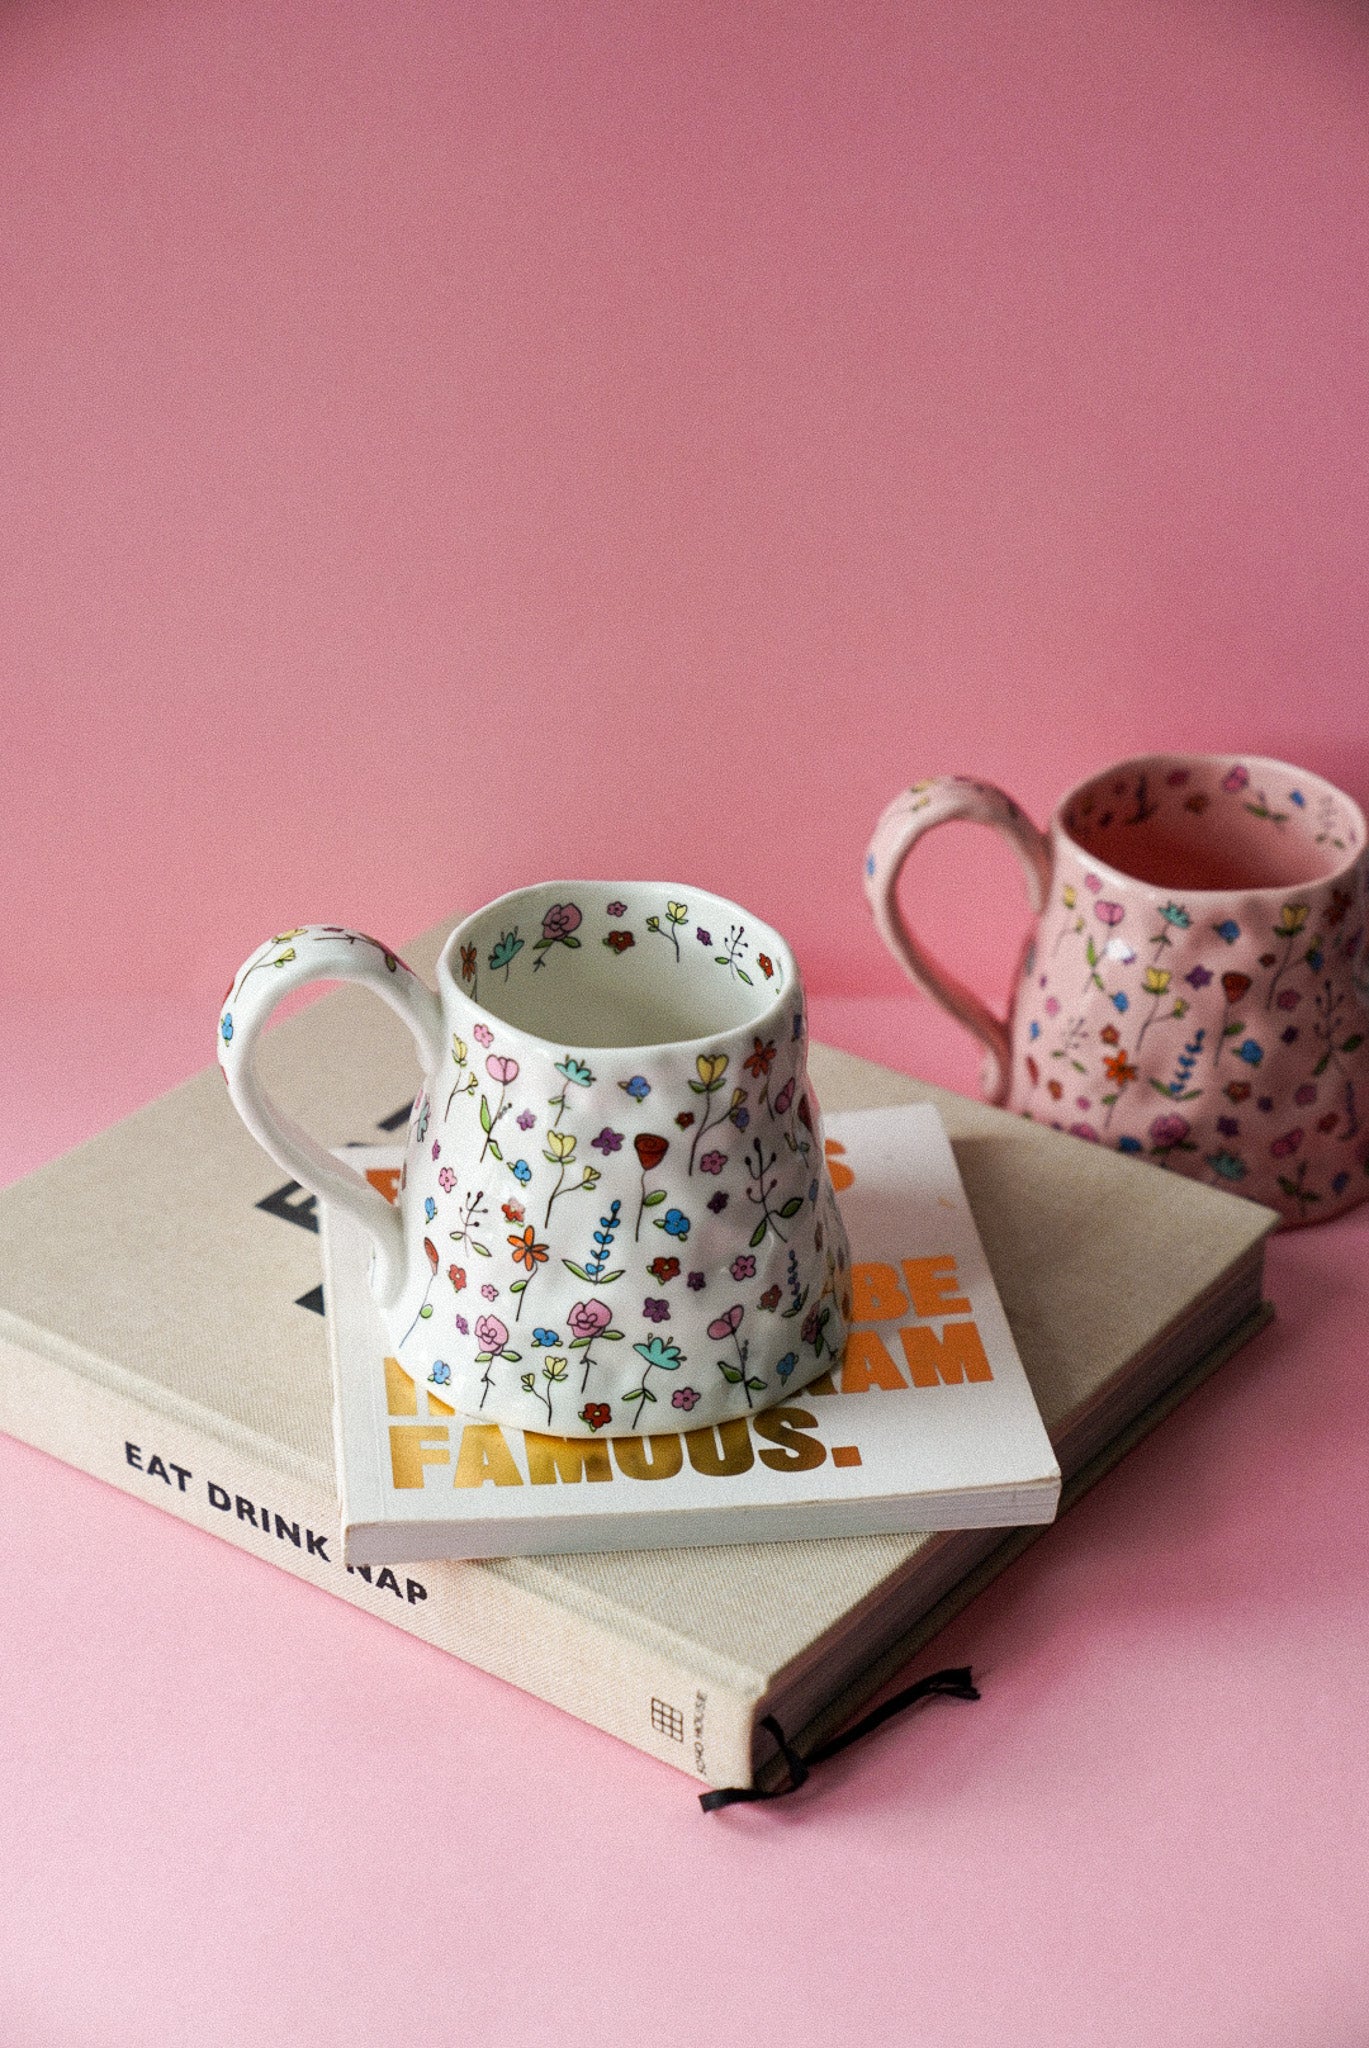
(1195,988)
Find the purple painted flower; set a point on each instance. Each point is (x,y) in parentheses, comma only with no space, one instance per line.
(437,1148)
(1264,1102)
(1284,1147)
(607,1141)
(656,1310)
(717,1203)
(704,938)
(560,921)
(713,1162)
(463,1326)
(1199,976)
(1306,1094)
(526,1119)
(1288,998)
(696,1281)
(446,1180)
(685,1397)
(616,910)
(1290,1036)
(743,1267)
(1229,1126)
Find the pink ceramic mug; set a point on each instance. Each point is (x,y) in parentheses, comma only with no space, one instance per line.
(1196,987)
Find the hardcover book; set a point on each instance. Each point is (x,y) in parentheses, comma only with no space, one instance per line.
(161,1326)
(845,1456)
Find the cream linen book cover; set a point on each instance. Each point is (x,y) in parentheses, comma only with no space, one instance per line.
(160,1328)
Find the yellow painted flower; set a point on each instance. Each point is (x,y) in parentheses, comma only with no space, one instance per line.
(1292,918)
(1069,895)
(458,1050)
(712,1066)
(560,1145)
(1155,980)
(554,1369)
(677,912)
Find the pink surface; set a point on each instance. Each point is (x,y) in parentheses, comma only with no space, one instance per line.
(445,446)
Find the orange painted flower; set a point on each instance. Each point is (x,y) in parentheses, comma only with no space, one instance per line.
(526,1250)
(1110,1035)
(1120,1069)
(762,1059)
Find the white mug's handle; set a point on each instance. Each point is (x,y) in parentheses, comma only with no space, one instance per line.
(913,812)
(289,961)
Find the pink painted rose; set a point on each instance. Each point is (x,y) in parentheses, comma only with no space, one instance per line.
(784,1098)
(1084,1131)
(1167,1131)
(493,1334)
(502,1071)
(1284,1147)
(588,1318)
(560,921)
(1235,780)
(726,1325)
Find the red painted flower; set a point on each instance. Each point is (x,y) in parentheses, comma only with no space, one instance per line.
(770,1298)
(766,965)
(762,1059)
(513,1211)
(468,963)
(457,1276)
(1237,1091)
(650,1149)
(685,1119)
(620,941)
(596,1414)
(663,1269)
(1235,986)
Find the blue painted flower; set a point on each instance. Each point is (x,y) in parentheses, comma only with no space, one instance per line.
(429,1207)
(1229,1126)
(798,1024)
(1295,796)
(226,1027)
(1121,1001)
(1340,1183)
(1229,930)
(544,1339)
(1175,914)
(521,1171)
(1251,1053)
(1227,1165)
(675,1224)
(869,864)
(812,1191)
(1033,1029)
(1128,1144)
(787,1364)
(717,1203)
(575,1070)
(441,1374)
(660,1352)
(638,1088)
(1315,956)
(741,1118)
(607,1141)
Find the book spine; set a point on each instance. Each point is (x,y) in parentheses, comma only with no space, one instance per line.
(680,1716)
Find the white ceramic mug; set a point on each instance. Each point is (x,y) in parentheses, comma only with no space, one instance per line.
(615,1213)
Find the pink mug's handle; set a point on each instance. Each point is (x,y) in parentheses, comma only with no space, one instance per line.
(913,812)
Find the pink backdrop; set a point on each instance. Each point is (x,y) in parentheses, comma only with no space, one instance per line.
(445,445)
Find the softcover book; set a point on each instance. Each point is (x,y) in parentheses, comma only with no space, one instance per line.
(928,1421)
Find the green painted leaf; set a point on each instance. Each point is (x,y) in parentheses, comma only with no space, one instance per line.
(1353,1042)
(484,1115)
(792,1206)
(730,1374)
(571,941)
(742,975)
(698,1087)
(720,959)
(514,1357)
(758,1233)
(578,1343)
(609,1336)
(495,1152)
(426,1311)
(578,1271)
(756,1386)
(1322,1064)
(482,1251)
(518,1286)
(653,1201)
(606,1280)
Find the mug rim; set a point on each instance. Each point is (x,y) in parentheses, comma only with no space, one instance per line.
(1279,890)
(791,990)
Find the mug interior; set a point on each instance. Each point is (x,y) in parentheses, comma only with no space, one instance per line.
(619,963)
(1214,822)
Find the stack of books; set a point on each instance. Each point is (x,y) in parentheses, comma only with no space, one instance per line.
(162,1326)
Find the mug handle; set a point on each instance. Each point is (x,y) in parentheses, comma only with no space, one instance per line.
(289,961)
(902,823)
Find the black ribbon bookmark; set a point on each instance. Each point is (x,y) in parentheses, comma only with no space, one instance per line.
(956,1685)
